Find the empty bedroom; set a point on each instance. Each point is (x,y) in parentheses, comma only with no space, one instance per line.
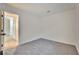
(39,28)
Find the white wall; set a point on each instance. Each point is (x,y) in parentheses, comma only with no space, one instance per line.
(29,27)
(76,27)
(59,27)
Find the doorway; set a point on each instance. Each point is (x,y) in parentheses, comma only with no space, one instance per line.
(9,29)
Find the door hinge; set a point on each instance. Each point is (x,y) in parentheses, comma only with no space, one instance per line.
(2,15)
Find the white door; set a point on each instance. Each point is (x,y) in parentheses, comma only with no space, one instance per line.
(1,30)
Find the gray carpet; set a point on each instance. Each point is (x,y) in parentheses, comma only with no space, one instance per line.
(45,47)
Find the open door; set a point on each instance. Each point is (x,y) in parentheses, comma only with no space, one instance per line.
(11,30)
(1,34)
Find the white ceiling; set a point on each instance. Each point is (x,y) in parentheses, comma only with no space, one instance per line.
(44,9)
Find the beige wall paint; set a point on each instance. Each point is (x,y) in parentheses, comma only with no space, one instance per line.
(59,27)
(29,27)
(76,27)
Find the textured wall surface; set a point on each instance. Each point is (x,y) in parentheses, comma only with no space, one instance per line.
(45,47)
